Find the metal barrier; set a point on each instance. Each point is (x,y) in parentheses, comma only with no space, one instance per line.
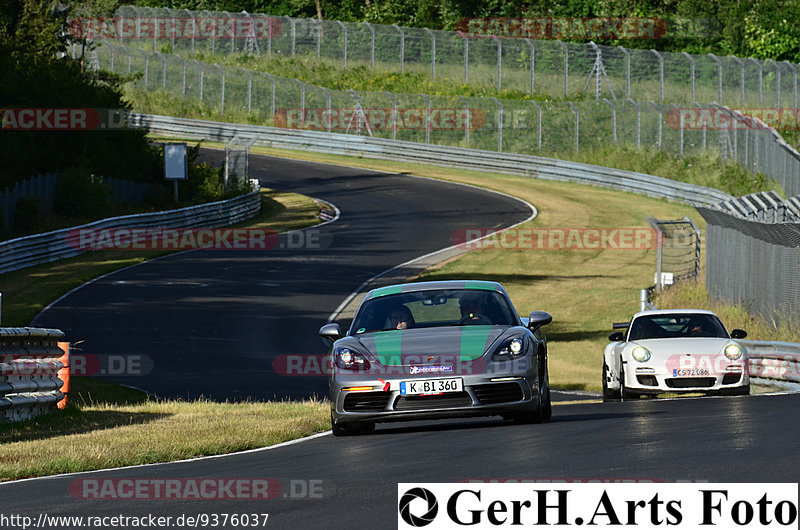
(34,372)
(51,246)
(449,156)
(774,360)
(752,251)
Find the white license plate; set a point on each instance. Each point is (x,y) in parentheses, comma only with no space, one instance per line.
(423,387)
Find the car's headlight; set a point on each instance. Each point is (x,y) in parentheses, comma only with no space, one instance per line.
(511,349)
(350,360)
(733,351)
(640,353)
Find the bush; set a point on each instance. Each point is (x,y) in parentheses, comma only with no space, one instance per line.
(27,217)
(81,195)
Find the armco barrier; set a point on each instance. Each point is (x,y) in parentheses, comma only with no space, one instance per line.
(774,360)
(34,373)
(474,159)
(51,246)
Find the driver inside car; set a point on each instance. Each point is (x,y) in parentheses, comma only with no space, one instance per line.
(472,309)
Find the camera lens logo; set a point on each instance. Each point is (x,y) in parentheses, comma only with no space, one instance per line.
(418,520)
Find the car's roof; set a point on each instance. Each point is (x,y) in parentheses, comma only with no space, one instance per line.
(655,312)
(480,285)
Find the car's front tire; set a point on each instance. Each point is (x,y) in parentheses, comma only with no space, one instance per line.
(608,393)
(350,429)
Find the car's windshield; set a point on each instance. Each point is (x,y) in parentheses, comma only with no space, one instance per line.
(668,326)
(434,308)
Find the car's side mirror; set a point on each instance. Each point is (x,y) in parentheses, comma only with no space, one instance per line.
(617,336)
(538,319)
(330,332)
(738,334)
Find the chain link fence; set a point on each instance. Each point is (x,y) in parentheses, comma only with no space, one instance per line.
(534,66)
(753,254)
(517,126)
(678,251)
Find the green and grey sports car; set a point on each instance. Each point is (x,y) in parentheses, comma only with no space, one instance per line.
(434,350)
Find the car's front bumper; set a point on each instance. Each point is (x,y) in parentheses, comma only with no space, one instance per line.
(650,382)
(482,395)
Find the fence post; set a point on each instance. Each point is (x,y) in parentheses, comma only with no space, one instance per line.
(371,45)
(302,97)
(660,74)
(741,79)
(680,127)
(191,15)
(653,103)
(533,63)
(705,131)
(328,106)
(163,70)
(394,114)
(627,71)
(538,126)
(760,79)
(249,88)
(788,64)
(719,77)
(344,43)
(566,66)
(499,124)
(638,123)
(222,95)
(433,51)
(293,24)
(183,76)
(319,38)
(402,45)
(577,124)
(466,120)
(691,66)
(272,98)
(427,118)
(466,58)
(499,60)
(613,119)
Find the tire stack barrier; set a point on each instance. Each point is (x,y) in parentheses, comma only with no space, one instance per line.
(34,372)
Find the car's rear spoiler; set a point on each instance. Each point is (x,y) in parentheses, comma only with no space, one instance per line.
(621,325)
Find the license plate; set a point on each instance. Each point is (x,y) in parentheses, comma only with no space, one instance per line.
(423,387)
(689,372)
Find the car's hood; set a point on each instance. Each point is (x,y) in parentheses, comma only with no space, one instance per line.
(430,345)
(683,346)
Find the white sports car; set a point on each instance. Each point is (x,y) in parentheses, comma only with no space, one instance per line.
(674,350)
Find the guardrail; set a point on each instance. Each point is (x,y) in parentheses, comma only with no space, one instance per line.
(774,360)
(449,156)
(51,246)
(34,372)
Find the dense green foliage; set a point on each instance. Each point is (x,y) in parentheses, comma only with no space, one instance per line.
(34,76)
(765,29)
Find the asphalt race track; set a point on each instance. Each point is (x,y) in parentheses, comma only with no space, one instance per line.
(211,322)
(233,311)
(354,479)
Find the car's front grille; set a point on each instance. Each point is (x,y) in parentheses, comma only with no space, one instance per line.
(691,382)
(498,393)
(730,379)
(365,401)
(647,380)
(455,399)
